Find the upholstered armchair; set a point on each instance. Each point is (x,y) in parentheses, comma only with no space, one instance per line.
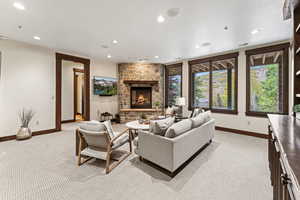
(97,140)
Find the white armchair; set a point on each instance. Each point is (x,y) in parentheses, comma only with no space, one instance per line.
(95,141)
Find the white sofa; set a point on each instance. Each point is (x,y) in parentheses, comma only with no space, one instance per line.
(171,153)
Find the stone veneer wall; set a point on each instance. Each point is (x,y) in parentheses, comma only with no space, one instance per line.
(137,71)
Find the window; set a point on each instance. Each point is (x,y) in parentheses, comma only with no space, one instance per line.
(267,80)
(173,83)
(213,83)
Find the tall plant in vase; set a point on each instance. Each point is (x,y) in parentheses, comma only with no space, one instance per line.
(25,117)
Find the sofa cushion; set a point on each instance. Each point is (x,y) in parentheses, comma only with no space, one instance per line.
(159,127)
(94,126)
(179,128)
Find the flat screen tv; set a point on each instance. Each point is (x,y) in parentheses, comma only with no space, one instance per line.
(104,86)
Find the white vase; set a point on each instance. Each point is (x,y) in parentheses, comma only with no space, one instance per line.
(297,115)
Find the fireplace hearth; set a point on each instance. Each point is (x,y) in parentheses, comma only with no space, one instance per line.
(141,97)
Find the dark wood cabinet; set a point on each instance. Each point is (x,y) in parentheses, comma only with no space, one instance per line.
(283,156)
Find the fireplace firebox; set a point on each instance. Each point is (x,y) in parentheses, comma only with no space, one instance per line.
(141,97)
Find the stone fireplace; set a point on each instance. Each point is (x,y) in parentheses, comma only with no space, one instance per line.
(141,97)
(140,86)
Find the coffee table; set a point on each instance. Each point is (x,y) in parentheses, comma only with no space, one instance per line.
(134,126)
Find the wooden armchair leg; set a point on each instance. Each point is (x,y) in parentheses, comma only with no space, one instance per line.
(79,159)
(107,169)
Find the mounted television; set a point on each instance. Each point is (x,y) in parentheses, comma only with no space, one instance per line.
(104,86)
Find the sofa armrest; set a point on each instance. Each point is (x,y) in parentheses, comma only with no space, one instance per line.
(157,149)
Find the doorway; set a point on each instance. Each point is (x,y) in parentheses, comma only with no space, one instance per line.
(78,77)
(85,101)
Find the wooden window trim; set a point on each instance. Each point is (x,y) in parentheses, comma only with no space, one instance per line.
(167,67)
(210,60)
(285,78)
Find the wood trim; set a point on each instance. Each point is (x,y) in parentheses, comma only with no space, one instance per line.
(214,58)
(75,94)
(78,70)
(86,63)
(210,60)
(140,82)
(179,65)
(284,68)
(242,132)
(267,49)
(68,121)
(35,133)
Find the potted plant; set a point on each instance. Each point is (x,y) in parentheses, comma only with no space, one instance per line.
(157,105)
(25,117)
(297,111)
(143,118)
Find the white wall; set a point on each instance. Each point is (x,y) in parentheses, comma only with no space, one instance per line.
(28,80)
(240,121)
(67,105)
(101,103)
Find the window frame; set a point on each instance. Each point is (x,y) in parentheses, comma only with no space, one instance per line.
(167,67)
(284,83)
(210,60)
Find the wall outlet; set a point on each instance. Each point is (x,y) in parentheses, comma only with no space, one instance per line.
(37,122)
(249,123)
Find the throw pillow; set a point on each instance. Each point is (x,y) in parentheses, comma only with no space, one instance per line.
(159,127)
(109,129)
(198,120)
(179,128)
(207,115)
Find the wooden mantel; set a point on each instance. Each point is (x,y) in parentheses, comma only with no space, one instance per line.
(140,110)
(150,82)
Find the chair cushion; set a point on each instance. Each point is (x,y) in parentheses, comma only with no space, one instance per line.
(109,129)
(179,128)
(159,127)
(94,126)
(120,141)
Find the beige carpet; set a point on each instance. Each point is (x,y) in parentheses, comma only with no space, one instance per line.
(233,167)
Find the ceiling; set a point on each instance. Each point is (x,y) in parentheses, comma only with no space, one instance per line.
(82,27)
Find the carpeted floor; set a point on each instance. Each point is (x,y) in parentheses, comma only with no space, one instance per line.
(233,167)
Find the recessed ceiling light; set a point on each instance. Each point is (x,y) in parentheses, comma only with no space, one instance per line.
(108,56)
(156,56)
(255,31)
(160,19)
(19,6)
(104,46)
(173,12)
(197,46)
(115,42)
(205,44)
(36,38)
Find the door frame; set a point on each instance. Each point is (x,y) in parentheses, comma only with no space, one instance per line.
(58,110)
(75,85)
